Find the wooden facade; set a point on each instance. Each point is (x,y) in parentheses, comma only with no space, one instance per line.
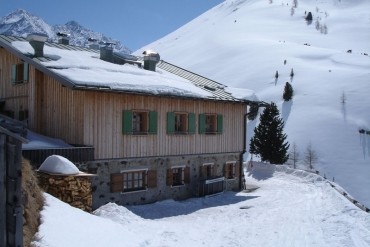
(94,118)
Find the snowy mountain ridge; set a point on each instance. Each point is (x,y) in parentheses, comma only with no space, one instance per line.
(21,23)
(242,43)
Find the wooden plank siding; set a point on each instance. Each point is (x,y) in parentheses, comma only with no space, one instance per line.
(57,111)
(94,118)
(103,126)
(16,96)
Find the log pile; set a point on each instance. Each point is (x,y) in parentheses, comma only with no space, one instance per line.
(74,190)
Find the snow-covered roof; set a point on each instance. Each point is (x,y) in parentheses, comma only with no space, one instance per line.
(82,68)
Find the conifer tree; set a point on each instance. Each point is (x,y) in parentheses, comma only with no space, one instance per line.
(288,92)
(269,141)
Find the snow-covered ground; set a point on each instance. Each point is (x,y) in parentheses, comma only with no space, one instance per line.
(290,208)
(242,43)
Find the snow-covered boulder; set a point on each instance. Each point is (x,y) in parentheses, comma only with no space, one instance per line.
(56,164)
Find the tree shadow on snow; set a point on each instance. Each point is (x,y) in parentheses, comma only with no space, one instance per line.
(286,109)
(170,208)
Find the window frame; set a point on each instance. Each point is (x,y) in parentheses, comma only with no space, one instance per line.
(230,170)
(119,185)
(180,123)
(19,73)
(133,188)
(207,171)
(142,123)
(149,122)
(217,123)
(178,176)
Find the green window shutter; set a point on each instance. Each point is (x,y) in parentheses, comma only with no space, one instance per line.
(127,122)
(191,123)
(25,72)
(14,73)
(219,123)
(202,123)
(153,122)
(170,122)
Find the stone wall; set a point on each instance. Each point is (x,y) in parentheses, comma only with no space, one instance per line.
(104,168)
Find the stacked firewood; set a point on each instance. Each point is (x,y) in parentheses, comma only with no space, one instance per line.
(74,190)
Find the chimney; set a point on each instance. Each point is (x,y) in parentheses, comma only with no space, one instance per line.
(37,41)
(93,44)
(150,60)
(63,38)
(106,51)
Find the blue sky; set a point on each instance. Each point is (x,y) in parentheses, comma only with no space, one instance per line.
(134,22)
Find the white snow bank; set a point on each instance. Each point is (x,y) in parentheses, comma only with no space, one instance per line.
(63,225)
(56,164)
(286,210)
(117,213)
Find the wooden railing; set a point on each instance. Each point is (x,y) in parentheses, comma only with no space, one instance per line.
(74,154)
(211,186)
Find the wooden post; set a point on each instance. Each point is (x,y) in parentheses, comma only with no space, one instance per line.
(2,191)
(14,191)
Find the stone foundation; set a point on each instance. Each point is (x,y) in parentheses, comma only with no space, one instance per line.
(101,183)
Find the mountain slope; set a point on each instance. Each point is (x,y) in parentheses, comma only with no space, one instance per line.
(21,23)
(242,43)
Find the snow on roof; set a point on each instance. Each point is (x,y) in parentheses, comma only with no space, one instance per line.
(37,141)
(56,164)
(242,93)
(86,68)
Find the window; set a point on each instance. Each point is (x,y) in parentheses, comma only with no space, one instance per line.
(20,73)
(230,170)
(139,122)
(134,181)
(128,181)
(177,176)
(206,171)
(210,124)
(180,123)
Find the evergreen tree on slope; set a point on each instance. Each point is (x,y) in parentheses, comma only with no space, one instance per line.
(269,141)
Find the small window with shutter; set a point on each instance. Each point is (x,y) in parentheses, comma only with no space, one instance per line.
(230,170)
(177,176)
(19,73)
(210,123)
(139,122)
(180,123)
(133,180)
